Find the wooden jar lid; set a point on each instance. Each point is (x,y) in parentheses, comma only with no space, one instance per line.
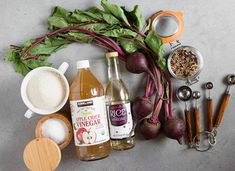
(42,154)
(38,130)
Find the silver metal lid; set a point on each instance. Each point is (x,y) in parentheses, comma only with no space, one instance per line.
(166,25)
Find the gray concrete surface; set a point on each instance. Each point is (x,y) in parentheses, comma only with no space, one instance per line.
(209,26)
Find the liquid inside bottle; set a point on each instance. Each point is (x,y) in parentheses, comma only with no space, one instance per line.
(118,107)
(90,124)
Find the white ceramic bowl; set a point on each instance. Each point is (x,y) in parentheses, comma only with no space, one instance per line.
(32,109)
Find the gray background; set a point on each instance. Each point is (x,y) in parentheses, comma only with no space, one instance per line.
(209,26)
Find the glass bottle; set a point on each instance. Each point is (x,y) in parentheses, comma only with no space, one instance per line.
(89,117)
(118,107)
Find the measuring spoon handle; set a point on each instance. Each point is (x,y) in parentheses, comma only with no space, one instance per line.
(222,109)
(209,114)
(189,126)
(197,123)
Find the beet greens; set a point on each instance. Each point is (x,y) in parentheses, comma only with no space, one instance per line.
(115,29)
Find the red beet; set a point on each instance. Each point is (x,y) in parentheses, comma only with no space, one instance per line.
(149,129)
(174,128)
(137,63)
(142,107)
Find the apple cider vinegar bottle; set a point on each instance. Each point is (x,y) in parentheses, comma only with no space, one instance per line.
(89,118)
(118,107)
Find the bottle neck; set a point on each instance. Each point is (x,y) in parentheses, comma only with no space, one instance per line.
(113,69)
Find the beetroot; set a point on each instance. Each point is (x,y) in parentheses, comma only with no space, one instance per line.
(137,63)
(149,129)
(142,107)
(174,128)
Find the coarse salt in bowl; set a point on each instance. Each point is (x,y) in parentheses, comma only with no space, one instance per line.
(56,127)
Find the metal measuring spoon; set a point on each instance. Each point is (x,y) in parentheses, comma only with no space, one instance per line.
(208,135)
(184,93)
(209,86)
(230,81)
(196,96)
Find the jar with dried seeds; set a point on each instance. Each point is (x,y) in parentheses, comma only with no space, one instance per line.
(185,63)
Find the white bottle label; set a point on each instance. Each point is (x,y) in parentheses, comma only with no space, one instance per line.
(90,122)
(120,120)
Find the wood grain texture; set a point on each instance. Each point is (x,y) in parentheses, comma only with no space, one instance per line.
(210,114)
(189,126)
(197,123)
(222,109)
(42,154)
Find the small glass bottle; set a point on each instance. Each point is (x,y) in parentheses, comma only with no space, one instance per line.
(89,117)
(118,107)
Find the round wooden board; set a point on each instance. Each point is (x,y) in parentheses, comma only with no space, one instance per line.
(42,154)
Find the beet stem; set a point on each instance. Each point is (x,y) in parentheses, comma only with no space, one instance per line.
(32,57)
(15,47)
(166,108)
(148,86)
(104,40)
(135,30)
(160,89)
(157,110)
(151,88)
(171,95)
(158,99)
(153,79)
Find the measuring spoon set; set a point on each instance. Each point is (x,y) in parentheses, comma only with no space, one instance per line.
(184,94)
(169,25)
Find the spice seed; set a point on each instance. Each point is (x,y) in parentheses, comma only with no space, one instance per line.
(184,63)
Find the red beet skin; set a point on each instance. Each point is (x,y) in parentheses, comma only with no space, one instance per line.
(149,129)
(174,128)
(142,107)
(137,63)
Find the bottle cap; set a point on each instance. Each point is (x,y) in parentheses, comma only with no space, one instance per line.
(111,54)
(83,64)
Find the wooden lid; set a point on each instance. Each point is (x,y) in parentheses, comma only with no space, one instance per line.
(42,154)
(38,130)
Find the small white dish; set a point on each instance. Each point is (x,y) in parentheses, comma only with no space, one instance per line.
(32,110)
